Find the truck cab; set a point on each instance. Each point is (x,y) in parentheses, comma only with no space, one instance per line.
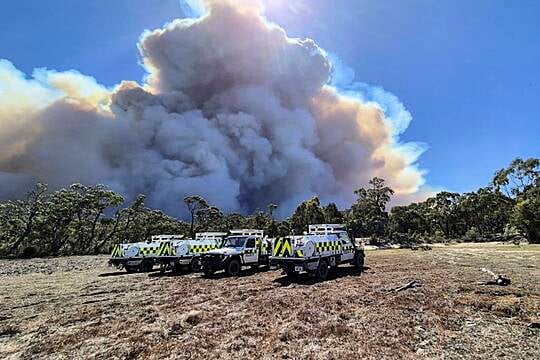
(241,248)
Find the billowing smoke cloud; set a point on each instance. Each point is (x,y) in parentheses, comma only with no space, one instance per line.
(231,109)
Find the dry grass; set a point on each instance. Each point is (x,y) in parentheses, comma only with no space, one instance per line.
(47,311)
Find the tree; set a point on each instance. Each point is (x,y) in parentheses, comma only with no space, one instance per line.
(194,204)
(90,211)
(332,215)
(233,221)
(486,210)
(271,209)
(210,219)
(411,220)
(368,215)
(28,212)
(61,212)
(526,214)
(272,229)
(518,177)
(308,212)
(132,223)
(444,214)
(521,182)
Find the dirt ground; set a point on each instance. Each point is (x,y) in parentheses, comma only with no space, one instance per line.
(79,308)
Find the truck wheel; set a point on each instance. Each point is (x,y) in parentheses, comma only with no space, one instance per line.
(207,271)
(358,261)
(177,269)
(195,265)
(233,267)
(289,271)
(322,270)
(146,266)
(130,269)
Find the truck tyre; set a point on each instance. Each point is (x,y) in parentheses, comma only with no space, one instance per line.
(322,270)
(358,261)
(195,265)
(130,269)
(146,266)
(207,271)
(289,271)
(177,268)
(233,267)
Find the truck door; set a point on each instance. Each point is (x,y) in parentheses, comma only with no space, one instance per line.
(251,253)
(347,248)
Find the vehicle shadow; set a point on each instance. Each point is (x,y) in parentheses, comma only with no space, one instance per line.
(125,273)
(111,274)
(244,273)
(307,279)
(170,273)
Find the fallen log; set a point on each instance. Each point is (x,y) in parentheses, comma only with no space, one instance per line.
(410,285)
(499,280)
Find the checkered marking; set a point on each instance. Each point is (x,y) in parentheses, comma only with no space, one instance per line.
(327,246)
(146,251)
(164,249)
(198,249)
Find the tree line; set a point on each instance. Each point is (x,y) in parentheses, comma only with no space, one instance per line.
(80,220)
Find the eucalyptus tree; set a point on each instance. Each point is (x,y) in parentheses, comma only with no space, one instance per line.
(195,204)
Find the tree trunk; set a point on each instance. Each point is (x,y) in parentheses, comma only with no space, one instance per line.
(24,235)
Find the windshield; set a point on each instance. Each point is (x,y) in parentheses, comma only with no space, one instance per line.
(235,242)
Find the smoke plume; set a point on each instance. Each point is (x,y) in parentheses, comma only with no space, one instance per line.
(231,109)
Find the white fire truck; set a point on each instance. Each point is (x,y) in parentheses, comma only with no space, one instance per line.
(242,248)
(142,256)
(323,247)
(187,253)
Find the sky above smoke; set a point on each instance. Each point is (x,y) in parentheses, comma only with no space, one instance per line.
(231,109)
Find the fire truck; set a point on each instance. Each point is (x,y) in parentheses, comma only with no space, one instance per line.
(324,246)
(242,248)
(142,256)
(186,254)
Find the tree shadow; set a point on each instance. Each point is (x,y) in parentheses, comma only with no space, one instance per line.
(307,279)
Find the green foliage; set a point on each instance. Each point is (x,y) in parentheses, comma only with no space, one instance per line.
(518,177)
(332,215)
(195,204)
(526,214)
(88,220)
(368,215)
(510,202)
(521,182)
(77,220)
(308,212)
(472,235)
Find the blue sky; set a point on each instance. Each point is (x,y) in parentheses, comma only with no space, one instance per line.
(468,71)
